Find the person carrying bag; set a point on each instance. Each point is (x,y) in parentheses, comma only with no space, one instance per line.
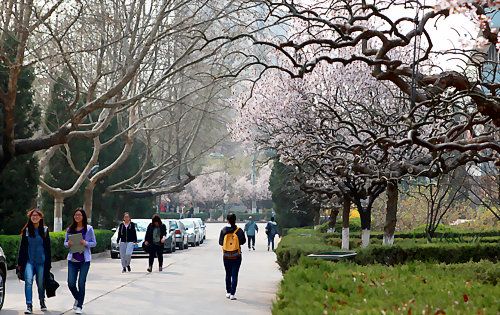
(34,259)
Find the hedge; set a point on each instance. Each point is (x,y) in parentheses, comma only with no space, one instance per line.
(10,245)
(302,242)
(319,287)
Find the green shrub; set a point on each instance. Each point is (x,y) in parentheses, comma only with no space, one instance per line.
(319,287)
(293,246)
(169,215)
(354,226)
(202,215)
(10,245)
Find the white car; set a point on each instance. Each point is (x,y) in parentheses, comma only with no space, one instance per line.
(141,226)
(193,230)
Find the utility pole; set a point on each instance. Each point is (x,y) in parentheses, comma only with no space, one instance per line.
(254,175)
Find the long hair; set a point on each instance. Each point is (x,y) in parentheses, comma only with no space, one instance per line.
(31,228)
(231,217)
(156,218)
(72,227)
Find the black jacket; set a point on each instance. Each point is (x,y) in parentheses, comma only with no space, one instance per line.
(230,229)
(127,234)
(22,259)
(149,233)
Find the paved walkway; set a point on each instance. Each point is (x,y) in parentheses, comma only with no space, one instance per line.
(191,283)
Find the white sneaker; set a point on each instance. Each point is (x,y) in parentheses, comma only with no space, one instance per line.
(228,295)
(78,310)
(75,305)
(232,297)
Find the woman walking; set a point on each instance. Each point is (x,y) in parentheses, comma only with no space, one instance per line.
(231,238)
(34,258)
(127,238)
(79,262)
(154,239)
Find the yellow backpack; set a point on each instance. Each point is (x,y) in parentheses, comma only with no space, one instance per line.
(231,245)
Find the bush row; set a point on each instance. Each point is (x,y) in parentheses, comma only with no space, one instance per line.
(418,233)
(10,245)
(319,287)
(302,242)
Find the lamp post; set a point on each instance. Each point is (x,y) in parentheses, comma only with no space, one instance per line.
(225,199)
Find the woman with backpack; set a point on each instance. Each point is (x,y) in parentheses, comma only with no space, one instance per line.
(154,240)
(127,238)
(34,258)
(78,262)
(231,238)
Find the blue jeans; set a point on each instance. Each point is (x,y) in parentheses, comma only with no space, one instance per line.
(29,274)
(232,267)
(73,269)
(270,240)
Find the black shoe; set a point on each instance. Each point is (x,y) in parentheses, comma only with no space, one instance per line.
(253,248)
(43,307)
(124,270)
(29,309)
(128,268)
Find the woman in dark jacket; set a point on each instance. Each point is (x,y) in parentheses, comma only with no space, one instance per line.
(154,239)
(127,238)
(232,259)
(34,258)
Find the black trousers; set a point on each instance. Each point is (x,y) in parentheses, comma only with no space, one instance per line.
(251,240)
(156,250)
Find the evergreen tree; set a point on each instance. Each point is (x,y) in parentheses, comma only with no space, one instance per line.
(19,180)
(293,207)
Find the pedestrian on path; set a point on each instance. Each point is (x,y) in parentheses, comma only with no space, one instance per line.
(127,234)
(271,231)
(79,262)
(251,227)
(34,258)
(154,239)
(231,238)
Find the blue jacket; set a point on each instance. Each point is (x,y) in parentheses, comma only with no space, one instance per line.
(251,227)
(271,228)
(89,240)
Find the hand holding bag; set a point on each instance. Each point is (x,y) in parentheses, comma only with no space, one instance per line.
(51,285)
(20,273)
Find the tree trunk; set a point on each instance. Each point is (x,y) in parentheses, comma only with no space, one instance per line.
(58,206)
(391,210)
(316,215)
(333,219)
(345,223)
(87,205)
(365,216)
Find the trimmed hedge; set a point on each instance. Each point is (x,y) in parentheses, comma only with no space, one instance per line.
(10,245)
(420,233)
(319,287)
(294,245)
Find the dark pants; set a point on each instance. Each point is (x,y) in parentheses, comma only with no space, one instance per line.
(251,240)
(73,269)
(232,267)
(156,250)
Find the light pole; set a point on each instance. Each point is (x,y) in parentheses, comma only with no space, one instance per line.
(225,199)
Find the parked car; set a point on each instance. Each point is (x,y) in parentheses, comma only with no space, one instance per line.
(141,226)
(181,236)
(3,276)
(193,231)
(203,229)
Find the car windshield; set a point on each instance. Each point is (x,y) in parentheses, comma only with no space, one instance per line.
(188,224)
(173,225)
(141,226)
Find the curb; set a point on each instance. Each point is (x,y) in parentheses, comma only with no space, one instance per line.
(11,274)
